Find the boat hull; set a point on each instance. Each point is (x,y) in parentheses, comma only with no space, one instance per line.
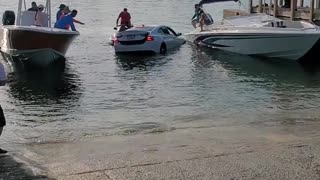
(31,59)
(270,45)
(36,45)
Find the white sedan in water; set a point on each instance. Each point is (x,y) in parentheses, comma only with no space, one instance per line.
(156,39)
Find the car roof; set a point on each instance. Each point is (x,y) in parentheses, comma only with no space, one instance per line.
(148,28)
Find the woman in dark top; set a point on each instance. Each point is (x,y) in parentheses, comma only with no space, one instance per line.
(198,17)
(2,124)
(2,118)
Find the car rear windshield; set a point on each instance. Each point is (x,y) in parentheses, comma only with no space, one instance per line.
(143,28)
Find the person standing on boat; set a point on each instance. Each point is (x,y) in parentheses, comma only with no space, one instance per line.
(34,7)
(67,21)
(40,17)
(3,79)
(125,18)
(198,17)
(65,12)
(60,12)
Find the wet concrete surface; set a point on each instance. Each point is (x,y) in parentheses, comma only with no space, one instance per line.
(286,152)
(10,169)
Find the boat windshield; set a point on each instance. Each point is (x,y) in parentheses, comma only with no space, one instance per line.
(252,20)
(26,17)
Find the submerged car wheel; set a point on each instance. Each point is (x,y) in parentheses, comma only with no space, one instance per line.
(163,48)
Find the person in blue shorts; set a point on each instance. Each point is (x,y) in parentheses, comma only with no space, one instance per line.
(67,21)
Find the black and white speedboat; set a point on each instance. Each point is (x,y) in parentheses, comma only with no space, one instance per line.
(260,35)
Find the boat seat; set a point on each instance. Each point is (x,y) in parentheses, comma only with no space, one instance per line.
(28,18)
(208,20)
(294,24)
(278,24)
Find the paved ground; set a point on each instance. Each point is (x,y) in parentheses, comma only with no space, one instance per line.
(286,152)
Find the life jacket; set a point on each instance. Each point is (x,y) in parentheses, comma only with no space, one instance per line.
(208,20)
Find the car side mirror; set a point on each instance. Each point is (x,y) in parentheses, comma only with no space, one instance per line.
(179,34)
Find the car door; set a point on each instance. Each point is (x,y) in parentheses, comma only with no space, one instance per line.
(168,38)
(176,40)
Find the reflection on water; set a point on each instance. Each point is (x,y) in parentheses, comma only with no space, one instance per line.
(51,86)
(142,61)
(283,91)
(271,70)
(129,62)
(40,98)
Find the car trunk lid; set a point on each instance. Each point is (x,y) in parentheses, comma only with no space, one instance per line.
(132,37)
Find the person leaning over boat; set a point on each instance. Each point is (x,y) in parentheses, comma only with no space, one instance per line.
(67,20)
(60,12)
(2,118)
(198,17)
(34,7)
(65,12)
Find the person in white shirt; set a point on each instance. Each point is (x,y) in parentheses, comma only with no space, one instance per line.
(40,19)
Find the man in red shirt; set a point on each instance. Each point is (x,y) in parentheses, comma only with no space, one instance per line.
(125,18)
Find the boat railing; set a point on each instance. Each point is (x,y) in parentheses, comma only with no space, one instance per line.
(310,28)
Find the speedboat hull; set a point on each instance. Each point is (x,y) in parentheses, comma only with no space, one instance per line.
(37,45)
(261,35)
(292,46)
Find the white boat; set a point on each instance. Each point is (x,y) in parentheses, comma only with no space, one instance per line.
(261,35)
(25,41)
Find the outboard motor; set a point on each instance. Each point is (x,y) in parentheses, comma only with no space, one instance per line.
(8,18)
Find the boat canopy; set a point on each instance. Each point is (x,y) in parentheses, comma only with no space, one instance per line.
(214,1)
(22,9)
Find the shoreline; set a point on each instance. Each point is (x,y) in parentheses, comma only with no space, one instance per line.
(239,152)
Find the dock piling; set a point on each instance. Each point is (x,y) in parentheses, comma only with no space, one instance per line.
(275,8)
(311,10)
(259,6)
(298,9)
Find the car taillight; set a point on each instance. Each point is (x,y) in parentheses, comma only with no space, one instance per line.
(116,40)
(149,38)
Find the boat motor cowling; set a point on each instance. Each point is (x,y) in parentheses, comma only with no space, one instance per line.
(8,18)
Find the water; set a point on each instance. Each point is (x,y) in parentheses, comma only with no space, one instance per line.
(101,94)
